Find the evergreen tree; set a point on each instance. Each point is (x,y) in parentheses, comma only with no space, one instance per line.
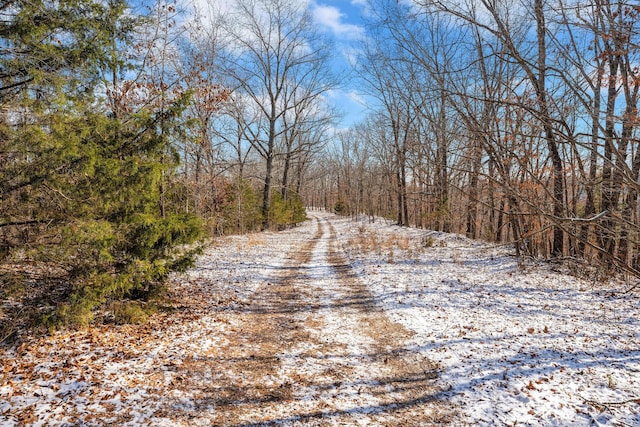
(84,155)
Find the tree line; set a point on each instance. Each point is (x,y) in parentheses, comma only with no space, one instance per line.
(131,132)
(507,122)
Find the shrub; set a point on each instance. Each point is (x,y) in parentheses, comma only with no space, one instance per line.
(242,208)
(285,213)
(341,208)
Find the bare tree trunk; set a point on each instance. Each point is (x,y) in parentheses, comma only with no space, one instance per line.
(472,206)
(285,175)
(590,205)
(608,191)
(266,194)
(442,184)
(557,248)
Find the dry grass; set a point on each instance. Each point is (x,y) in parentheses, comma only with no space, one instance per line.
(371,242)
(402,242)
(255,239)
(390,259)
(456,256)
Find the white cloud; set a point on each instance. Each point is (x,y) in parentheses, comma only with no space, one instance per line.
(356,98)
(351,55)
(331,18)
(351,105)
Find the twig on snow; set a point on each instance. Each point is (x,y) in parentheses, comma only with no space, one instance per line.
(606,405)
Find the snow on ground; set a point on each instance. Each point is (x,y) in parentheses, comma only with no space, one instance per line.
(519,343)
(320,296)
(129,374)
(330,366)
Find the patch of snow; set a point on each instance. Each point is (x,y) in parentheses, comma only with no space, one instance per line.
(518,342)
(344,349)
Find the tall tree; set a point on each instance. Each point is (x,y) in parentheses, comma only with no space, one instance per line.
(86,141)
(391,81)
(277,60)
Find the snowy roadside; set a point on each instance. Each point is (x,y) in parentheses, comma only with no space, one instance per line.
(519,345)
(133,374)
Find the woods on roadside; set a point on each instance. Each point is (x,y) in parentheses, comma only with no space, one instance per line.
(507,122)
(111,169)
(130,132)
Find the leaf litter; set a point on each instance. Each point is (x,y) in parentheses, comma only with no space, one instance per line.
(339,322)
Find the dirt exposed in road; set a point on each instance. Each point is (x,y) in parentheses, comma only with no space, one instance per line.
(312,348)
(308,328)
(270,329)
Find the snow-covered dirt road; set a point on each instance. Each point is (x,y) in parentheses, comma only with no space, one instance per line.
(269,329)
(341,322)
(316,350)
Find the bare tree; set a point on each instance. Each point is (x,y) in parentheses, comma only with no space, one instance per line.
(278,61)
(392,80)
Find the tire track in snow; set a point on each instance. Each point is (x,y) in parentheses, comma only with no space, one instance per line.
(313,348)
(404,379)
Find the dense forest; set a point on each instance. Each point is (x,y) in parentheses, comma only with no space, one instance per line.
(131,132)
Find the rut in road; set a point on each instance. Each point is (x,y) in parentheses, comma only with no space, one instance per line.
(313,348)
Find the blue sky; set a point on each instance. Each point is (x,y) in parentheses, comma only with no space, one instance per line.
(343,19)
